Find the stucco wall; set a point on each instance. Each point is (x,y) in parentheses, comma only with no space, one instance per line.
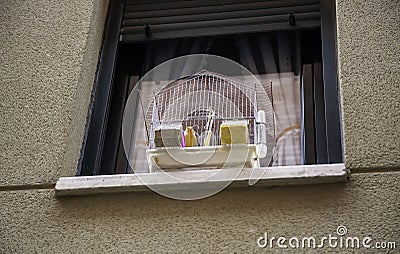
(49,52)
(369,60)
(232,221)
(48,55)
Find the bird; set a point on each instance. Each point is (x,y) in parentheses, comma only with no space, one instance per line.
(190,137)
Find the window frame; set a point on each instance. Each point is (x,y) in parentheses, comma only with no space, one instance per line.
(92,160)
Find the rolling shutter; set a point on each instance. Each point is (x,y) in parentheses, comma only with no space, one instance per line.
(189,18)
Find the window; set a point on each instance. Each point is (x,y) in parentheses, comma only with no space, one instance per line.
(289,45)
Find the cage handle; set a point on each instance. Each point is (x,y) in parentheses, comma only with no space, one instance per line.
(261,125)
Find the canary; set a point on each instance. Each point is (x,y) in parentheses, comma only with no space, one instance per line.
(190,137)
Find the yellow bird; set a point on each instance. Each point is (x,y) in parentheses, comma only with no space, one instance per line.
(190,137)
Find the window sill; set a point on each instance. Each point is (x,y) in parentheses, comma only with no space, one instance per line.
(273,176)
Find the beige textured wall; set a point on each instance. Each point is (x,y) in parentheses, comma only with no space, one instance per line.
(48,55)
(35,221)
(369,65)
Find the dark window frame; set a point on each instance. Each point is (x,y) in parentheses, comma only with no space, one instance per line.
(112,79)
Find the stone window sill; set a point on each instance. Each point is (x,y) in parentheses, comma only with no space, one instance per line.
(272,176)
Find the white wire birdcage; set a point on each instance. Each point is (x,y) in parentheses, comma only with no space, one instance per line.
(203,102)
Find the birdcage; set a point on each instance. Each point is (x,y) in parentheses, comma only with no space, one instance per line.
(206,120)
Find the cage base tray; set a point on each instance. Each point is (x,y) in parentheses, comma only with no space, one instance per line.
(203,157)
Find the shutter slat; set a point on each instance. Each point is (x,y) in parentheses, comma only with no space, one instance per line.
(212,7)
(219,23)
(219,15)
(191,18)
(200,32)
(130,2)
(199,3)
